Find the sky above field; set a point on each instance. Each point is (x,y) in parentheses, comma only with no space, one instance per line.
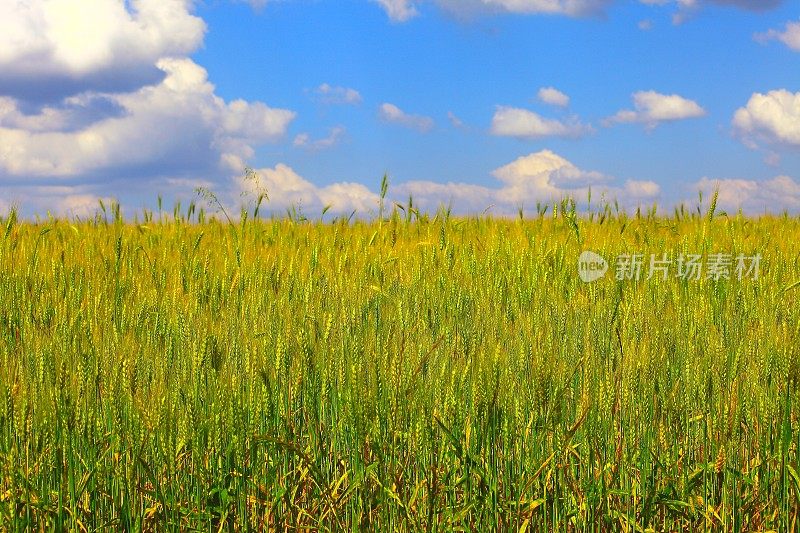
(480,104)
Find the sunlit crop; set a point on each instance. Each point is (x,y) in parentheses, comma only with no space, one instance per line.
(413,372)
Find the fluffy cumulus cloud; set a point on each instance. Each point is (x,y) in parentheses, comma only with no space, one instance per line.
(652,108)
(772,118)
(524,124)
(790,36)
(71,114)
(552,96)
(548,176)
(289,189)
(754,197)
(179,121)
(393,114)
(539,177)
(50,49)
(100,96)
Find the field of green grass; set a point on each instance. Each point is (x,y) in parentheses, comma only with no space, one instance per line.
(410,373)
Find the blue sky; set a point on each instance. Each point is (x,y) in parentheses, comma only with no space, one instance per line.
(475,102)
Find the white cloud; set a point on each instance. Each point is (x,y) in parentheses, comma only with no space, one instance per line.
(286,188)
(403,10)
(552,96)
(302,139)
(334,136)
(573,8)
(564,7)
(773,118)
(179,123)
(687,8)
(337,95)
(49,118)
(754,197)
(521,123)
(790,36)
(392,113)
(399,10)
(99,96)
(539,177)
(61,200)
(70,47)
(455,121)
(429,195)
(640,189)
(652,108)
(751,5)
(80,205)
(542,176)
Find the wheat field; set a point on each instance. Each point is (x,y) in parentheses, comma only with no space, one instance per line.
(413,372)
